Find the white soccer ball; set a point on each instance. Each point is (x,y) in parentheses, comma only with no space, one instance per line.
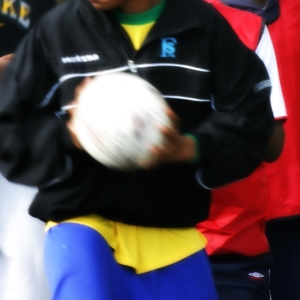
(118,120)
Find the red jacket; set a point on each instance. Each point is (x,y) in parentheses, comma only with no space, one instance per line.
(236,224)
(284,175)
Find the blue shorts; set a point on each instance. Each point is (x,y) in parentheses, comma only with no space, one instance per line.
(80,265)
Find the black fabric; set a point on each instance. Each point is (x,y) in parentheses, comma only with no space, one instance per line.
(13,26)
(232,129)
(239,277)
(284,239)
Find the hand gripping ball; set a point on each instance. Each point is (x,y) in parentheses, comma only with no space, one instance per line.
(118,119)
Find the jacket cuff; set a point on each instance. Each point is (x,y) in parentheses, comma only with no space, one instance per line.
(196,158)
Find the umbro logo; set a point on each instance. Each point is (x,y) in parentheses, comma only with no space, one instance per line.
(256,276)
(80,58)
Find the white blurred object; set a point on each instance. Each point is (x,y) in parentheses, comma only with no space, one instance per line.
(22,274)
(118,120)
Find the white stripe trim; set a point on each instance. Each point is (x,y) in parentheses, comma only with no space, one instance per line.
(49,95)
(70,106)
(186,98)
(66,77)
(199,179)
(171,65)
(46,100)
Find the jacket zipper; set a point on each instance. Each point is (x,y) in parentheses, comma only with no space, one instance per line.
(132,66)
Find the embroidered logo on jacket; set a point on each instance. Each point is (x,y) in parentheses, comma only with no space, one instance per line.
(256,276)
(168,47)
(80,58)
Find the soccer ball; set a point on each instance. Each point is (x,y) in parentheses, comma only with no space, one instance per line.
(118,119)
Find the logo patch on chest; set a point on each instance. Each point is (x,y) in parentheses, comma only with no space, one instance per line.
(80,58)
(168,47)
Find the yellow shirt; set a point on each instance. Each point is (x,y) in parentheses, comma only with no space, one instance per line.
(138,26)
(138,33)
(143,248)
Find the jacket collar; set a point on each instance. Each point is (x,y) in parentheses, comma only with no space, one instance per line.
(177,16)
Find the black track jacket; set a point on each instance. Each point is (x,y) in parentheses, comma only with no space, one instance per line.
(219,89)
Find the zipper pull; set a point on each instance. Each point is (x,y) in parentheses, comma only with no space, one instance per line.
(132,66)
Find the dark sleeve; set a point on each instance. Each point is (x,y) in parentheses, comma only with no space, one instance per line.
(234,137)
(33,140)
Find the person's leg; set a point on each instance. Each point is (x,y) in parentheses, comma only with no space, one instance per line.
(284,239)
(238,277)
(80,265)
(190,278)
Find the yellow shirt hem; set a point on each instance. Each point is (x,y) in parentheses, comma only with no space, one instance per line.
(143,248)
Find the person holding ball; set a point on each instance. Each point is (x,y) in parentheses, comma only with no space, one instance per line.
(131,235)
